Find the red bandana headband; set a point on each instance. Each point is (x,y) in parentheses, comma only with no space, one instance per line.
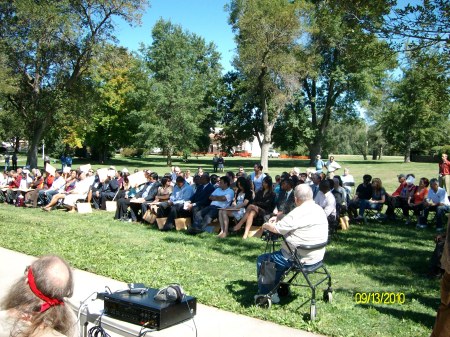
(49,302)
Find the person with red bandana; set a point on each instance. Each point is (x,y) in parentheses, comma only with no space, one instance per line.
(34,305)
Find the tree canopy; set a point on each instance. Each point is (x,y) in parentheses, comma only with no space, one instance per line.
(417,111)
(267,32)
(184,81)
(49,46)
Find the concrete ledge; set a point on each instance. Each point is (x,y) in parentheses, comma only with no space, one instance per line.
(210,322)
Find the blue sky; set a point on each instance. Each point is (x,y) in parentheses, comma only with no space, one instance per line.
(206,18)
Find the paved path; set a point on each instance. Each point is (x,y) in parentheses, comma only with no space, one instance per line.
(210,322)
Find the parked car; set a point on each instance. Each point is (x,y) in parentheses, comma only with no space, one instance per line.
(242,154)
(273,154)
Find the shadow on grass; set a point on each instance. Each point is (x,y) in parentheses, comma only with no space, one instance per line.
(397,312)
(201,161)
(243,292)
(390,256)
(235,246)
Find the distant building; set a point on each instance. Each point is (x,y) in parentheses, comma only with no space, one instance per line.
(251,147)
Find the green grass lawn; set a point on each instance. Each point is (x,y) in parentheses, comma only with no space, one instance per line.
(385,258)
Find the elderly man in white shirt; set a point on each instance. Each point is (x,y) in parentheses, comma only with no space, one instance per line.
(437,200)
(306,224)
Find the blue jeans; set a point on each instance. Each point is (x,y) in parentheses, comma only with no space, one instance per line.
(281,264)
(205,217)
(365,204)
(440,211)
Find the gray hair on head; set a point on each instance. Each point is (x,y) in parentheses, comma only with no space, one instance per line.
(303,192)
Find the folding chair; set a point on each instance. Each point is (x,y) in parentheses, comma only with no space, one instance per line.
(282,288)
(373,214)
(349,188)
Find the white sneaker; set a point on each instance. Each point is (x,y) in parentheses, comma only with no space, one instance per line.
(275,298)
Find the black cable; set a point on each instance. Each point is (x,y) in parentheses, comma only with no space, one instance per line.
(143,332)
(191,312)
(98,331)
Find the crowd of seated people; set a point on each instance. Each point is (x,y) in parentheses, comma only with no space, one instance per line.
(243,199)
(419,199)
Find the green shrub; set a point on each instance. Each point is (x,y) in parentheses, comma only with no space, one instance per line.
(132,152)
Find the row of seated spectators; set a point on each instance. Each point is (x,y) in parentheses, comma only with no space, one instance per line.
(423,198)
(247,199)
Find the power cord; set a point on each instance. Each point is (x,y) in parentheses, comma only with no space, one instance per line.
(84,305)
(191,312)
(98,331)
(144,330)
(81,307)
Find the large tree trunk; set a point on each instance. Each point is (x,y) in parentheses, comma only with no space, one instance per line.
(407,156)
(265,155)
(267,139)
(33,146)
(169,156)
(315,148)
(103,154)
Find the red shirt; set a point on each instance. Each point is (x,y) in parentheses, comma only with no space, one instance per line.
(444,168)
(419,196)
(16,182)
(50,181)
(399,189)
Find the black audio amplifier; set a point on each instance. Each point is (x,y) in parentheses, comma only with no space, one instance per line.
(144,310)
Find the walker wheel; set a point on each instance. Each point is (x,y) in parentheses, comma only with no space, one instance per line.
(312,312)
(263,301)
(327,296)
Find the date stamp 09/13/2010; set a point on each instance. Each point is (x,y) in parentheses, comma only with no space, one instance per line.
(379,298)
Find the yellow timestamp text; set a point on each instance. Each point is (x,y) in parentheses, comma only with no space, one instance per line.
(379,298)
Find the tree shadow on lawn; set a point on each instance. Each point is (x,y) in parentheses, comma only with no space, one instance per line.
(377,255)
(417,317)
(193,163)
(298,301)
(238,248)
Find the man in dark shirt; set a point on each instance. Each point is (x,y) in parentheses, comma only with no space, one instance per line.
(286,201)
(363,192)
(200,199)
(442,324)
(139,201)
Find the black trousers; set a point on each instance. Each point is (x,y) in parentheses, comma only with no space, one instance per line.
(176,211)
(122,208)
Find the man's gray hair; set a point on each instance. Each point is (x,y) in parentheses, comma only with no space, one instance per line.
(303,192)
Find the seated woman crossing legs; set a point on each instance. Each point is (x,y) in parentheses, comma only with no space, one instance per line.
(263,204)
(242,198)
